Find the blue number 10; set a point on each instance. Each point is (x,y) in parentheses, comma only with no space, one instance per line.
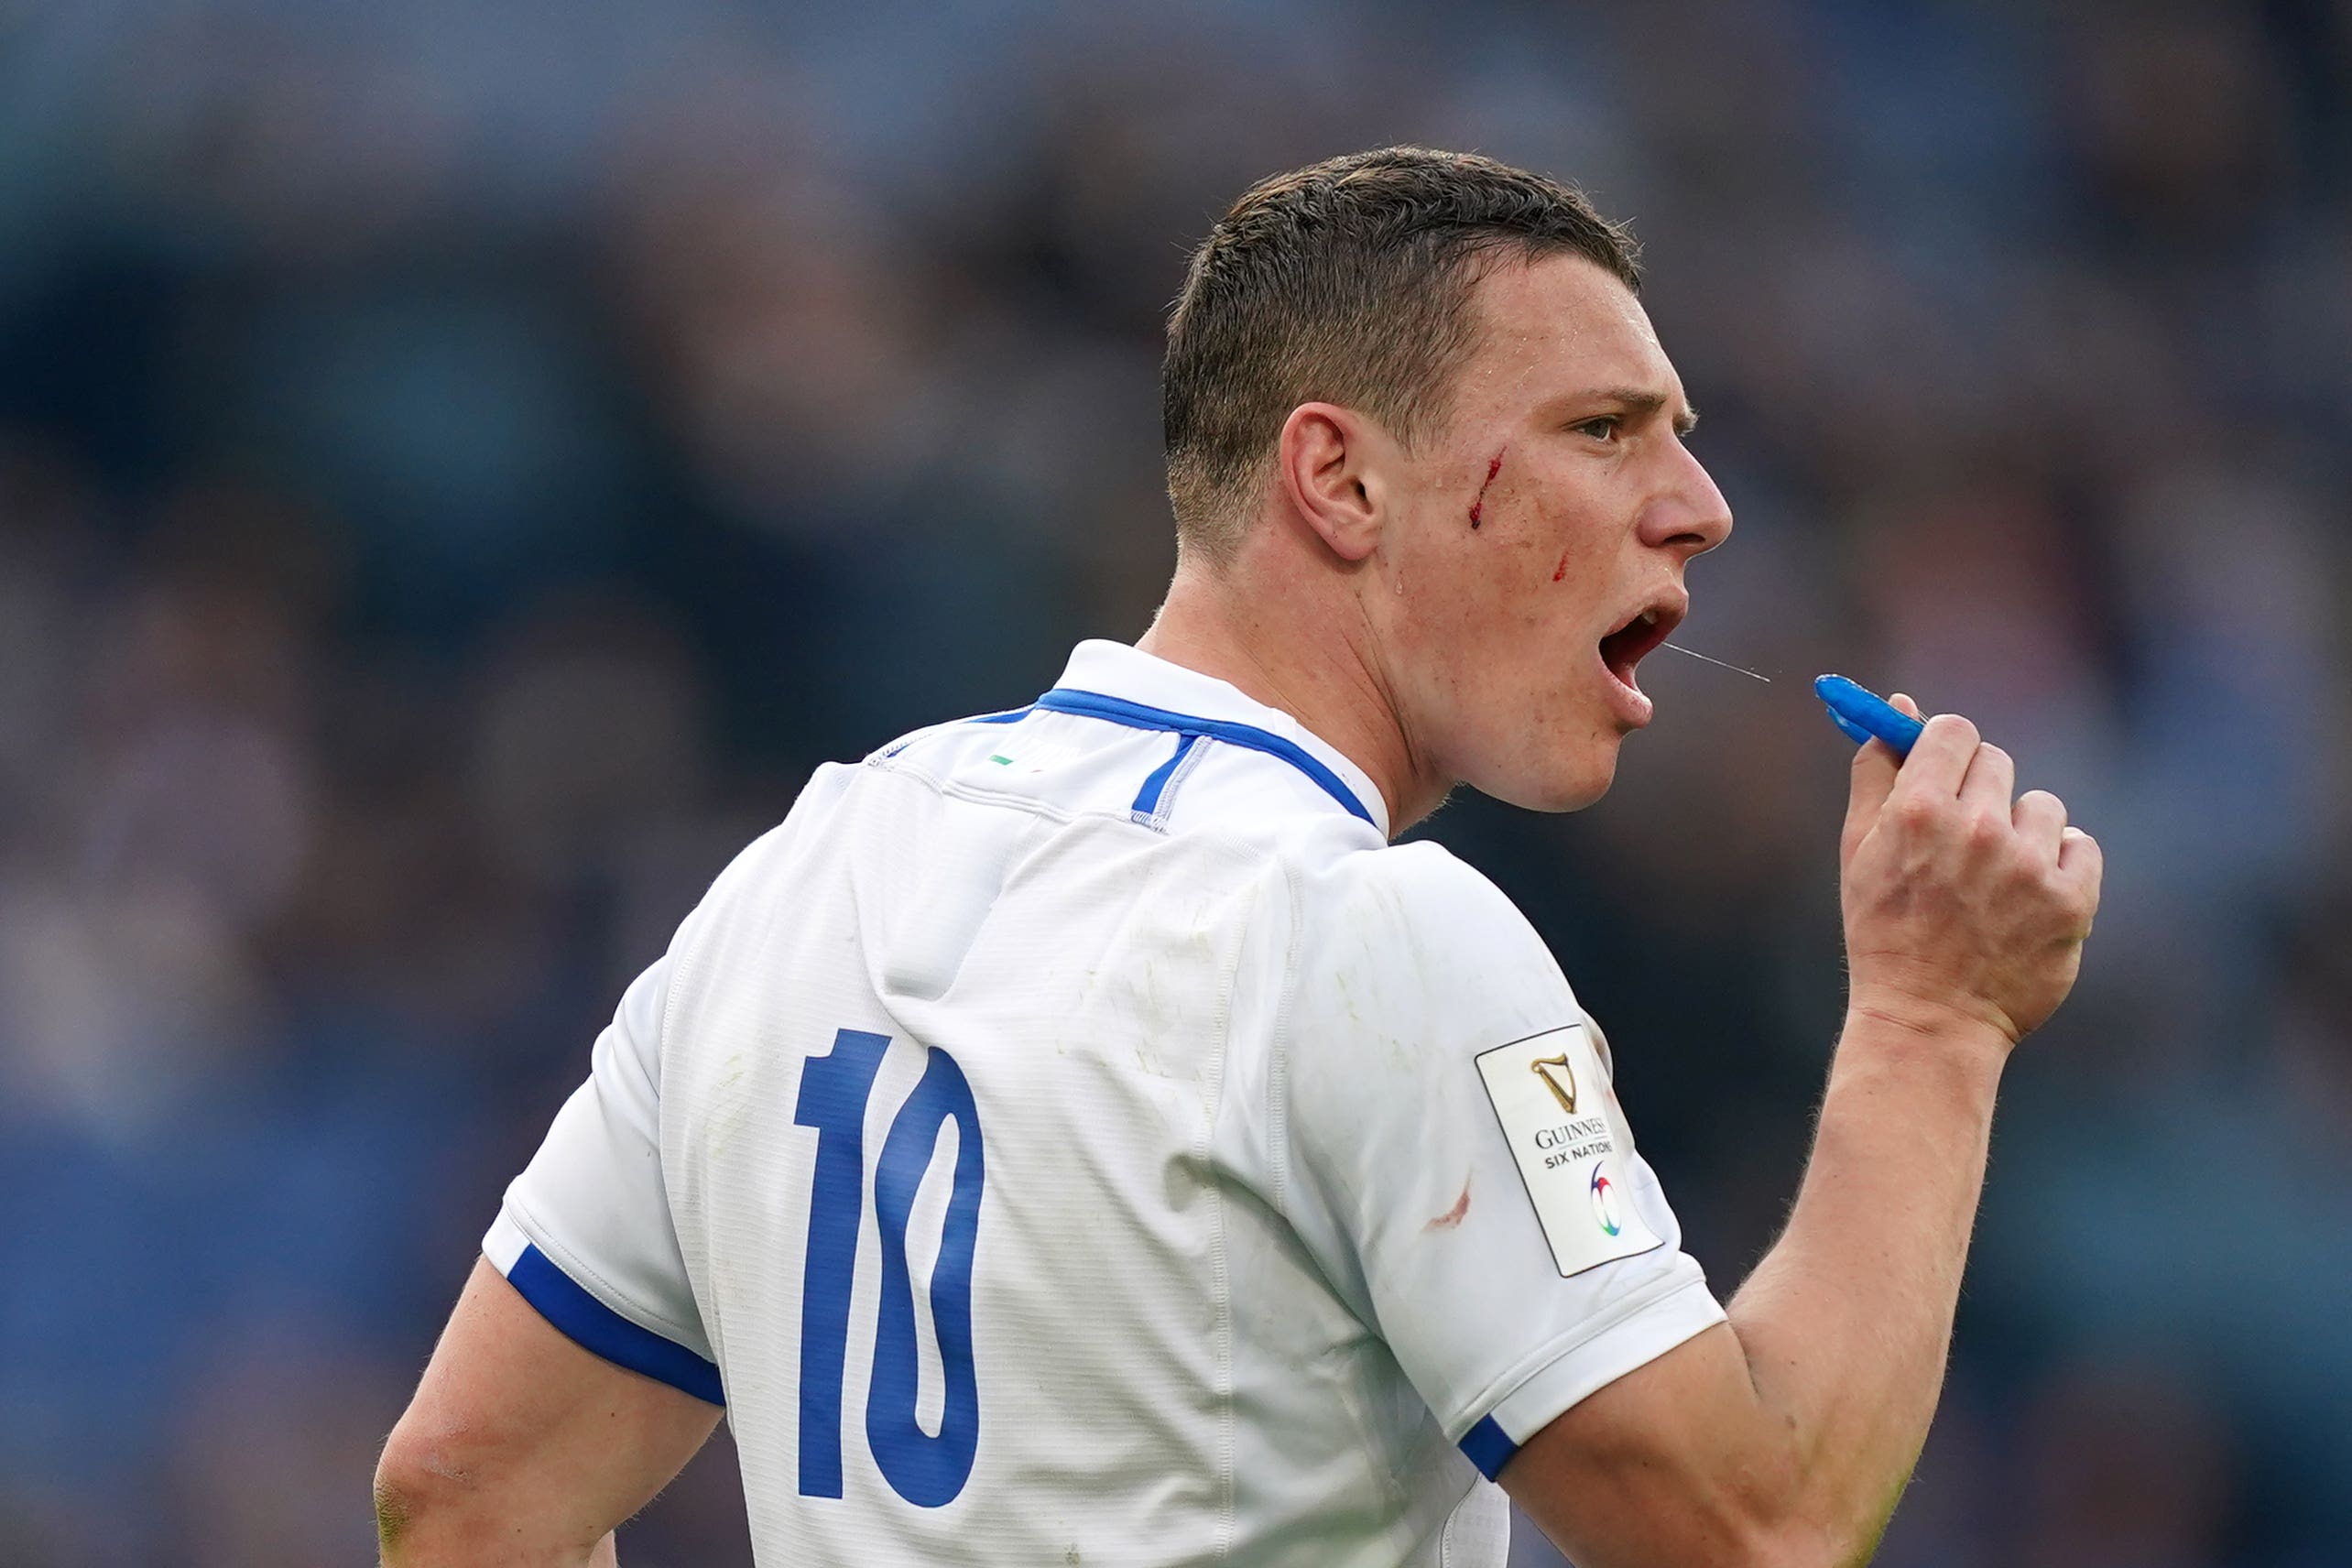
(925,1470)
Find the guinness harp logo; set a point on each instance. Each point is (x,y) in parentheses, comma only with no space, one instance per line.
(1562,1083)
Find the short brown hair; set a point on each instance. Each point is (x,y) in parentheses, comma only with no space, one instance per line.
(1347,282)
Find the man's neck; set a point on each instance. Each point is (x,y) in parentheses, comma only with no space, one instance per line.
(1300,653)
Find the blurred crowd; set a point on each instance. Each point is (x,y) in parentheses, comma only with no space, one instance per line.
(461,465)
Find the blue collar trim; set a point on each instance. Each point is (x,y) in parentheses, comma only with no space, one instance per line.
(1135,716)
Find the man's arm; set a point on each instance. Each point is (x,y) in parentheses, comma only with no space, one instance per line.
(1786,1435)
(521,1448)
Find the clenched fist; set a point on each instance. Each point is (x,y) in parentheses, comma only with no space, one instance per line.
(1961,904)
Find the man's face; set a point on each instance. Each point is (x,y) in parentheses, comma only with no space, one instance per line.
(1528,539)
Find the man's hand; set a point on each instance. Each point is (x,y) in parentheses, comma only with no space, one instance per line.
(1786,1435)
(1959,902)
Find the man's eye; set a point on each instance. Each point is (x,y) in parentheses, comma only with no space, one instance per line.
(1604,429)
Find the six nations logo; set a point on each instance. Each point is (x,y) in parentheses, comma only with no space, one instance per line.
(1605,1203)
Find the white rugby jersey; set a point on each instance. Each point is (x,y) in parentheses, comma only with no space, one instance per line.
(1076,1135)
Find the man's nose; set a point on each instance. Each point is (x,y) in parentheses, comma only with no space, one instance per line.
(1689,515)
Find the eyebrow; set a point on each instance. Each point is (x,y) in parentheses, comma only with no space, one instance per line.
(1636,401)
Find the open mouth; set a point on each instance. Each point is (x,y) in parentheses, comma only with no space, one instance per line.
(1624,647)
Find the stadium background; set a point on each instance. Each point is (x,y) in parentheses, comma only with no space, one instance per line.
(461,465)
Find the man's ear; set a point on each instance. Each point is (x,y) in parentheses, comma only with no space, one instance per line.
(1333,472)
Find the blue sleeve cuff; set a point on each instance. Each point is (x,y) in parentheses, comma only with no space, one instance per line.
(1488,1446)
(593,1326)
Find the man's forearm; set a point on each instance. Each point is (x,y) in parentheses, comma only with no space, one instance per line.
(1847,1321)
(1785,1436)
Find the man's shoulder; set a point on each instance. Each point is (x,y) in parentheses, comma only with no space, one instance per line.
(764,866)
(1422,888)
(1418,925)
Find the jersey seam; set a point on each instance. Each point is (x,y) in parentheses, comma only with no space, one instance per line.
(1446,1556)
(1500,1389)
(1278,1095)
(1278,1070)
(1228,1523)
(1184,770)
(915,736)
(1278,1115)
(661,1032)
(979,795)
(1196,746)
(1082,703)
(688,959)
(899,762)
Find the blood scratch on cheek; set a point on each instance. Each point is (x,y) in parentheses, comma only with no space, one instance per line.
(1478,506)
(1561,571)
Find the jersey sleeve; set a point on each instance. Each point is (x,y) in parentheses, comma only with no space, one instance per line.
(585,1234)
(1455,1152)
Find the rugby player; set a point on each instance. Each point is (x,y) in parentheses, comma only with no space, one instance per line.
(1077,1135)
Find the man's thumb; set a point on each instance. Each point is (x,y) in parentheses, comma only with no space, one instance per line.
(1875,768)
